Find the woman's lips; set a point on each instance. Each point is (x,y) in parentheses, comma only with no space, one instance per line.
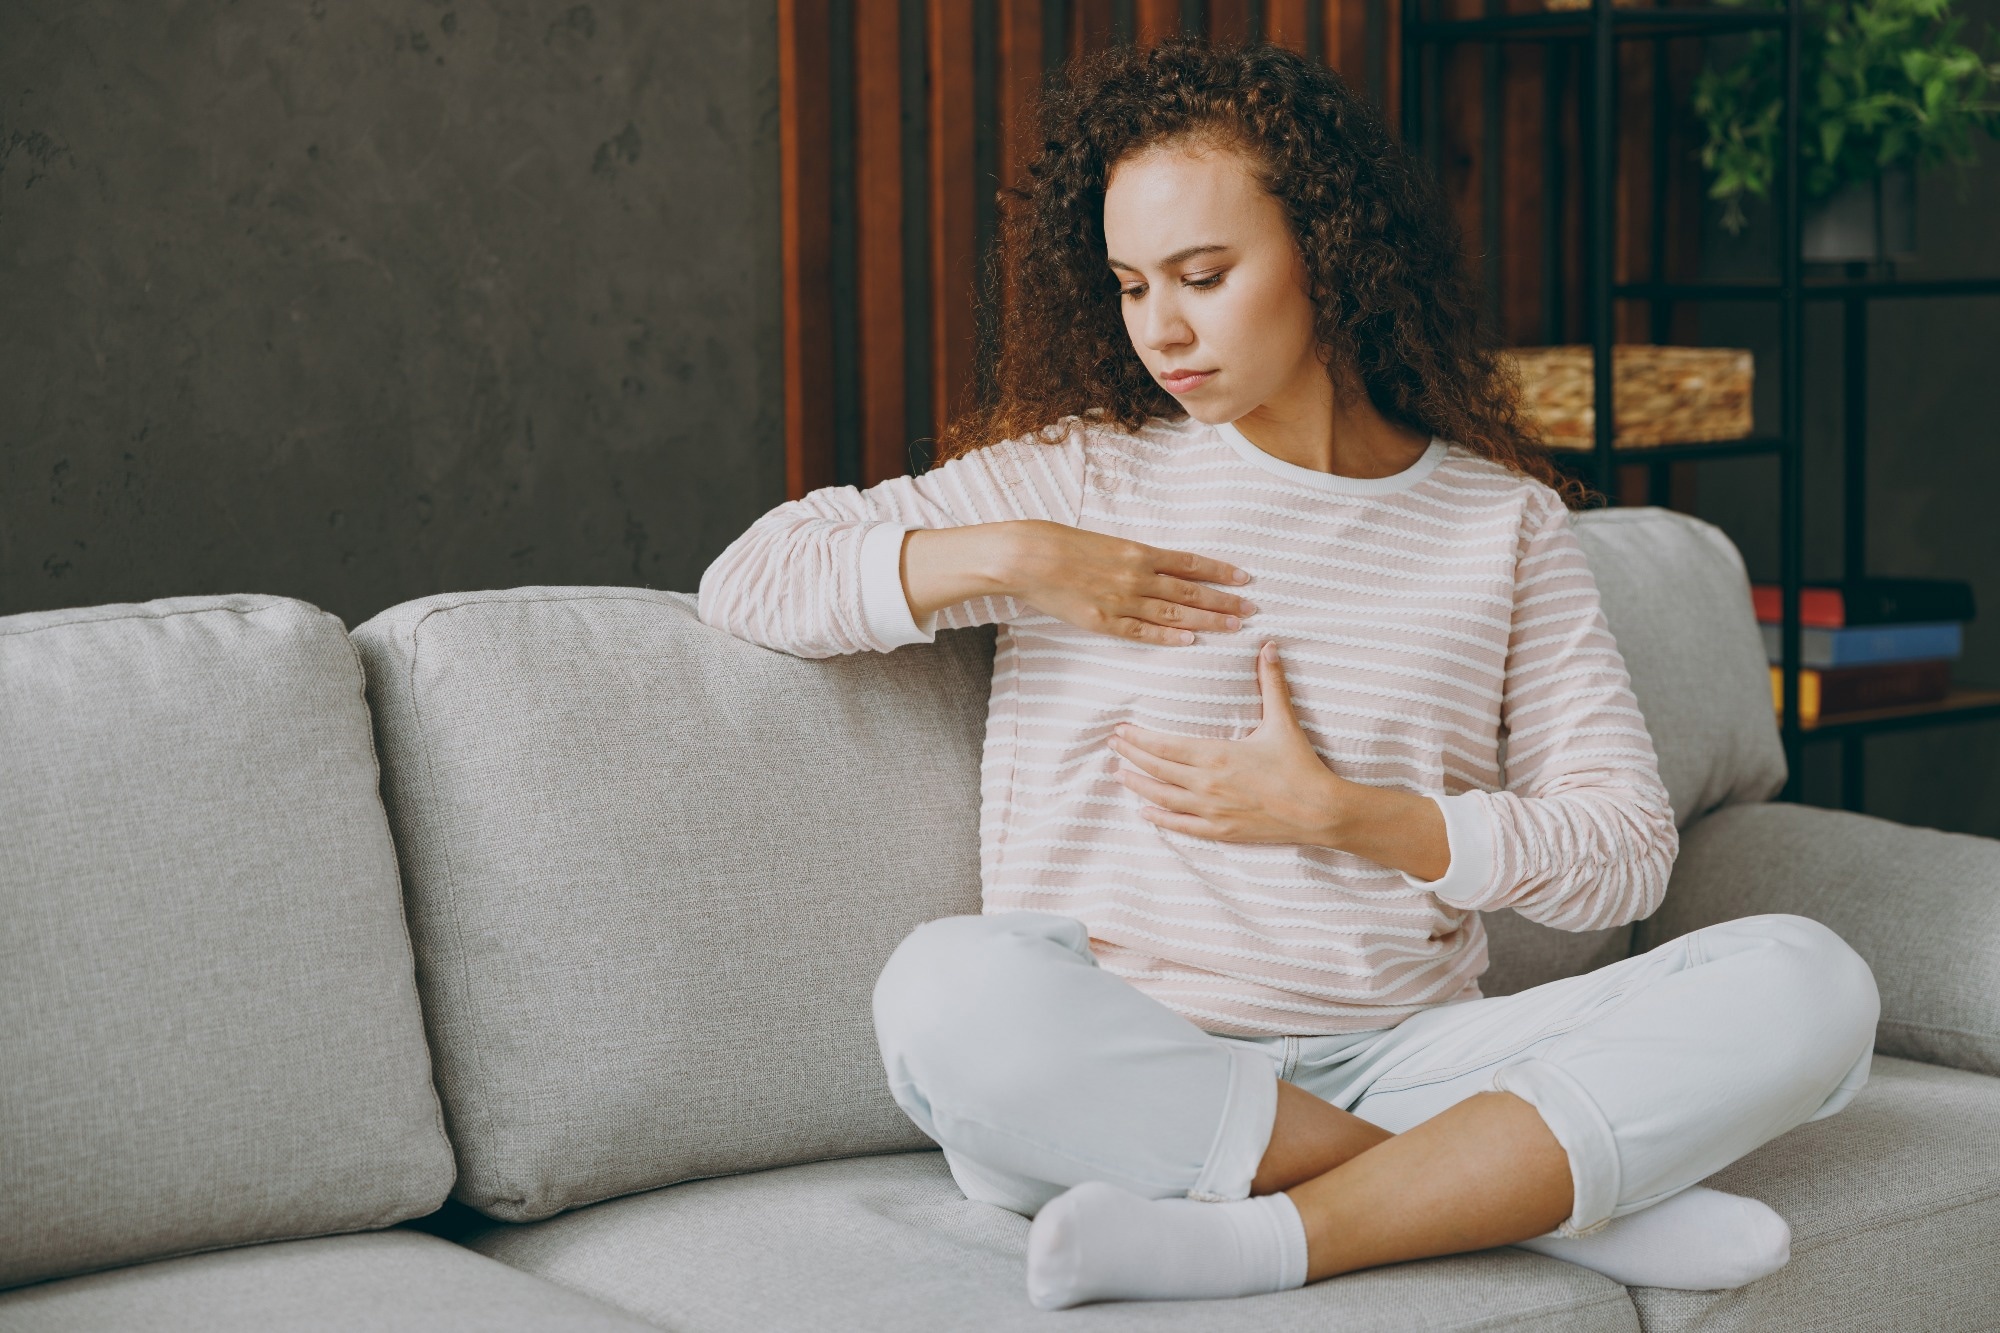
(1180,381)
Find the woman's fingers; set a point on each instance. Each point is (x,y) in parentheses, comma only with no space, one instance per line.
(1179,615)
(1188,565)
(1163,794)
(1187,750)
(1168,770)
(1132,627)
(1171,589)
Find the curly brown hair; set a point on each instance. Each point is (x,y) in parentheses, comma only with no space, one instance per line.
(1394,304)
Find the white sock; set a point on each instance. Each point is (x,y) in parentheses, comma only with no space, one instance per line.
(1697,1240)
(1097,1242)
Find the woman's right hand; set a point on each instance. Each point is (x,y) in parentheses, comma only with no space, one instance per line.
(1095,581)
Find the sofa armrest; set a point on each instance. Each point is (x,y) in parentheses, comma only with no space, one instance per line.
(1923,907)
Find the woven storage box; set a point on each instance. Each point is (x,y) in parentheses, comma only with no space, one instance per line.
(1664,395)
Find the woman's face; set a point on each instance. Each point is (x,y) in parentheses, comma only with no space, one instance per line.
(1213,286)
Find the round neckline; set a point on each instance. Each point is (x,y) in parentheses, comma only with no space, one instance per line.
(1425,464)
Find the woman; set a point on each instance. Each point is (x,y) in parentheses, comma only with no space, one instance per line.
(1218,1029)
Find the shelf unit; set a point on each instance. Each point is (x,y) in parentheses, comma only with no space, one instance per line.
(1594,33)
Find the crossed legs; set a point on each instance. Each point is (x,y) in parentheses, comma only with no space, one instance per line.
(1063,1093)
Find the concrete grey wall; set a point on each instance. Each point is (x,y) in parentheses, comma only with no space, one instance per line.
(1934,469)
(357,300)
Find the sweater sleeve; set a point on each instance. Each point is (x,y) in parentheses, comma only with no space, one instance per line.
(822,575)
(1582,836)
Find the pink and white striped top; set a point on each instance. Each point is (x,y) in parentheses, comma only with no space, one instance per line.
(1440,631)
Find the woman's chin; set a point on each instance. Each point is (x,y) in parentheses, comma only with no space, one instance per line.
(1209,410)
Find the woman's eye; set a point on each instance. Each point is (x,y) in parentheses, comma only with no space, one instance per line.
(1131,291)
(1209,281)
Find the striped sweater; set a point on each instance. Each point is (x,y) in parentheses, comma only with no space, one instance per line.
(1440,632)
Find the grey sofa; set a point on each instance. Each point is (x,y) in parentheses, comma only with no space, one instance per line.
(559,902)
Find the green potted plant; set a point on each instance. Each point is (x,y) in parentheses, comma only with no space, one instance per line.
(1886,90)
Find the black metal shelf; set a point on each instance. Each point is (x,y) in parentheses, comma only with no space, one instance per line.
(1679,452)
(1965,703)
(1843,289)
(1589,38)
(1572,25)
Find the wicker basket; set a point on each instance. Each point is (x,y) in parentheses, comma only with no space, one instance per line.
(1664,395)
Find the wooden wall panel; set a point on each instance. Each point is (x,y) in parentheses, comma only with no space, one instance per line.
(1089,25)
(1288,23)
(806,230)
(1018,81)
(878,226)
(943,116)
(1228,21)
(954,205)
(1155,20)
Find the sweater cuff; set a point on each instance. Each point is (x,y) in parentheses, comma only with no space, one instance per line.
(884,605)
(1468,830)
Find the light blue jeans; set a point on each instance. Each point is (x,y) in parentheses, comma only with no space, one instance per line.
(1035,1069)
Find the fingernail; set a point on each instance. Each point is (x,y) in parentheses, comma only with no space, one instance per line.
(1185,636)
(1249,608)
(1232,622)
(1242,576)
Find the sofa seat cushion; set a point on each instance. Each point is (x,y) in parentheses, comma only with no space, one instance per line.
(1894,1204)
(385,1282)
(889,1243)
(209,1029)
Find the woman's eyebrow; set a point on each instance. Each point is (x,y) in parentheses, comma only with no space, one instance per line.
(1177,257)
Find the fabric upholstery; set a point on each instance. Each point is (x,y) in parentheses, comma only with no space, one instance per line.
(1894,1205)
(382,1282)
(890,1245)
(209,1027)
(1922,906)
(652,873)
(1677,598)
(1523,953)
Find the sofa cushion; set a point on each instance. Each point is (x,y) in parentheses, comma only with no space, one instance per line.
(653,872)
(208,1018)
(889,1243)
(384,1282)
(1894,1204)
(1919,904)
(1677,598)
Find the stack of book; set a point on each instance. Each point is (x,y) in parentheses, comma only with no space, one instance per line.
(1875,643)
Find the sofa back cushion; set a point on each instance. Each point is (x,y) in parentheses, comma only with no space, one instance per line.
(652,873)
(1677,599)
(209,1026)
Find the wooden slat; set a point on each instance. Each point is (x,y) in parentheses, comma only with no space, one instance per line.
(878,228)
(1019,80)
(1228,21)
(953,203)
(806,231)
(1089,26)
(1155,21)
(1391,99)
(1347,42)
(1332,48)
(1523,66)
(1286,24)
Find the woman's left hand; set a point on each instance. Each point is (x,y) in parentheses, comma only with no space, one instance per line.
(1268,787)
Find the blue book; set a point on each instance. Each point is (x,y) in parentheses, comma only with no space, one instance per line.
(1860,645)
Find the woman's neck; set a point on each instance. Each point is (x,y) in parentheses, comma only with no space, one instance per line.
(1311,429)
